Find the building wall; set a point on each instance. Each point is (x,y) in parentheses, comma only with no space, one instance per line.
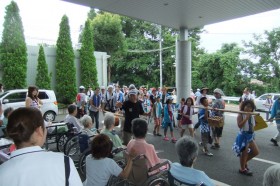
(50,53)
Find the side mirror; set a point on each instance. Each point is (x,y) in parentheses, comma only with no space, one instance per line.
(5,101)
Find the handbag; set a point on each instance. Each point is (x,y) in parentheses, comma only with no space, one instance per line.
(216,121)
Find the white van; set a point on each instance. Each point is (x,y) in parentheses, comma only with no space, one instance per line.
(16,98)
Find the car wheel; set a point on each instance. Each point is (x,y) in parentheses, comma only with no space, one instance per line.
(49,116)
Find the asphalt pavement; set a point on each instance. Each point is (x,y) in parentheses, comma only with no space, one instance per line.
(224,165)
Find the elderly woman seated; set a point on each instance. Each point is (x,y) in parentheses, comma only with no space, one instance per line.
(139,130)
(88,126)
(109,122)
(187,150)
(101,147)
(272,176)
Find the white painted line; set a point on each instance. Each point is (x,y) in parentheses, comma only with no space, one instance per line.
(266,161)
(218,183)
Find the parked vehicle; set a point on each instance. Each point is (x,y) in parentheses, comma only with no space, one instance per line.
(16,98)
(260,101)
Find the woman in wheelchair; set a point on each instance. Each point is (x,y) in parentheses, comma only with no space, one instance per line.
(109,122)
(139,130)
(88,126)
(99,168)
(183,172)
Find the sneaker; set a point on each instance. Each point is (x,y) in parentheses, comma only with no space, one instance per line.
(166,138)
(274,142)
(158,134)
(208,154)
(246,172)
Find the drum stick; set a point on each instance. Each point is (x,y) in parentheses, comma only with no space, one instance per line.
(232,111)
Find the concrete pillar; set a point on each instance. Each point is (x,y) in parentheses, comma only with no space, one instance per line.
(183,65)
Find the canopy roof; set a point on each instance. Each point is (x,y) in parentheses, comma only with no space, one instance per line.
(182,13)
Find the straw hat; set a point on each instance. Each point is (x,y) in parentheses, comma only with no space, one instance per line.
(205,88)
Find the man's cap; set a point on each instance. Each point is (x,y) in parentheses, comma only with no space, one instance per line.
(81,87)
(131,86)
(133,91)
(102,87)
(110,86)
(169,98)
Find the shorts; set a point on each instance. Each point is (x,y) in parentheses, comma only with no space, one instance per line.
(189,126)
(157,121)
(168,125)
(217,131)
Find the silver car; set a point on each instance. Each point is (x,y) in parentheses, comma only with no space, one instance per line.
(16,98)
(260,101)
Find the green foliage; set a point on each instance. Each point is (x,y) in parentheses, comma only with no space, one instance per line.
(13,54)
(65,70)
(43,79)
(218,70)
(265,48)
(107,35)
(88,62)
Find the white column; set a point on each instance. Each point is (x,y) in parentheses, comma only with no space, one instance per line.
(183,65)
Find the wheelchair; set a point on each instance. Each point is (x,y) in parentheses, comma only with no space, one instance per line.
(82,161)
(60,138)
(140,175)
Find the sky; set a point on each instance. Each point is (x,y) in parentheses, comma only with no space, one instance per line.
(41,20)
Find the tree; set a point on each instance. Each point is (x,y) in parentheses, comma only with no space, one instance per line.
(88,62)
(65,70)
(43,79)
(13,55)
(266,50)
(107,34)
(219,69)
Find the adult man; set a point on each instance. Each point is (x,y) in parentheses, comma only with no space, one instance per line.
(95,106)
(197,93)
(110,102)
(81,101)
(275,113)
(133,109)
(102,94)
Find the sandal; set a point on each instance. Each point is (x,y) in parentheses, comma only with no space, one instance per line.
(246,172)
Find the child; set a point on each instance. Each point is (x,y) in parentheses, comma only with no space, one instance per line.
(268,104)
(157,109)
(187,111)
(245,145)
(146,103)
(179,108)
(204,126)
(168,119)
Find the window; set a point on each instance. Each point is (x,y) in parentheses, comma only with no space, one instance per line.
(16,97)
(276,97)
(43,95)
(263,97)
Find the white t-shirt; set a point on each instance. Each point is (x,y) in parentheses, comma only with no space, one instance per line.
(35,166)
(100,176)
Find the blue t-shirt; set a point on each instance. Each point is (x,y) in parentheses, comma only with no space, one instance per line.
(190,175)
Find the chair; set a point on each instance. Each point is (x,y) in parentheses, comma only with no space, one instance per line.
(175,182)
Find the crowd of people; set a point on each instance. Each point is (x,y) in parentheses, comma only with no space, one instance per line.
(27,129)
